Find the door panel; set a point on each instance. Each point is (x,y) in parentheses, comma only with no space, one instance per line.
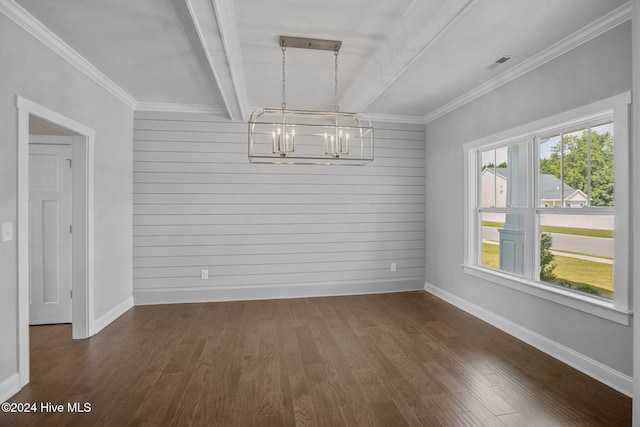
(50,233)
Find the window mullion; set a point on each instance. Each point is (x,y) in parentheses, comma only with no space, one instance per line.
(495,178)
(531,244)
(589,166)
(562,170)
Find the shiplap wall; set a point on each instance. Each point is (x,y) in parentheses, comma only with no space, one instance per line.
(270,231)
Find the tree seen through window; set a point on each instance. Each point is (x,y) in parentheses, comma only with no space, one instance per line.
(583,160)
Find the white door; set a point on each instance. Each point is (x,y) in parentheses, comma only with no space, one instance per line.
(50,233)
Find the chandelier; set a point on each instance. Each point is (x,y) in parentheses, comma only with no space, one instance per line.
(286,136)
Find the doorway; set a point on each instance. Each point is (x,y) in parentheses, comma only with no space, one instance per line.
(80,147)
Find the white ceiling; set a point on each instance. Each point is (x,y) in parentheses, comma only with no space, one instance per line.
(410,58)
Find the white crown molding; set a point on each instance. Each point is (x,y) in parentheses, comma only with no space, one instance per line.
(34,27)
(381,118)
(591,31)
(391,118)
(179,108)
(419,27)
(216,28)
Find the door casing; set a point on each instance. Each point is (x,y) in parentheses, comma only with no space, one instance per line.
(82,217)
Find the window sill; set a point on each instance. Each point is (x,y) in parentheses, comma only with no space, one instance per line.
(584,303)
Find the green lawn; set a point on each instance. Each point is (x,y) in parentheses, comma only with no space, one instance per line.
(595,277)
(587,276)
(591,232)
(490,255)
(492,224)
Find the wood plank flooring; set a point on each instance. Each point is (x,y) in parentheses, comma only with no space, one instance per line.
(403,359)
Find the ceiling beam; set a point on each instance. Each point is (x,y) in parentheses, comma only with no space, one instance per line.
(216,25)
(419,27)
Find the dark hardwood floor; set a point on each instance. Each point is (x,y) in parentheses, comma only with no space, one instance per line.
(373,360)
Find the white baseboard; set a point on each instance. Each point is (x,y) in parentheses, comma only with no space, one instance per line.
(100,323)
(9,387)
(614,379)
(246,293)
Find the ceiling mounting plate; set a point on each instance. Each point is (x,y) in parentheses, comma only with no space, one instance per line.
(306,43)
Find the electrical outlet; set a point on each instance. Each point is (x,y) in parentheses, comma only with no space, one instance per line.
(394,267)
(204,274)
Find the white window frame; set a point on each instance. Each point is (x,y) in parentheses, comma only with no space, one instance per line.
(619,308)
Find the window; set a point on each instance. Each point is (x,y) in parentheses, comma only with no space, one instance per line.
(502,208)
(548,208)
(576,170)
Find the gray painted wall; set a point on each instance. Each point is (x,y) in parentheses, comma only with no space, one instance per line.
(33,71)
(266,231)
(593,71)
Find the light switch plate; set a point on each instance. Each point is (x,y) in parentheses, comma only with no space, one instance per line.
(7,231)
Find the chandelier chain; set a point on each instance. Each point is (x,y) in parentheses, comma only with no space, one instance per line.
(284,96)
(335,88)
